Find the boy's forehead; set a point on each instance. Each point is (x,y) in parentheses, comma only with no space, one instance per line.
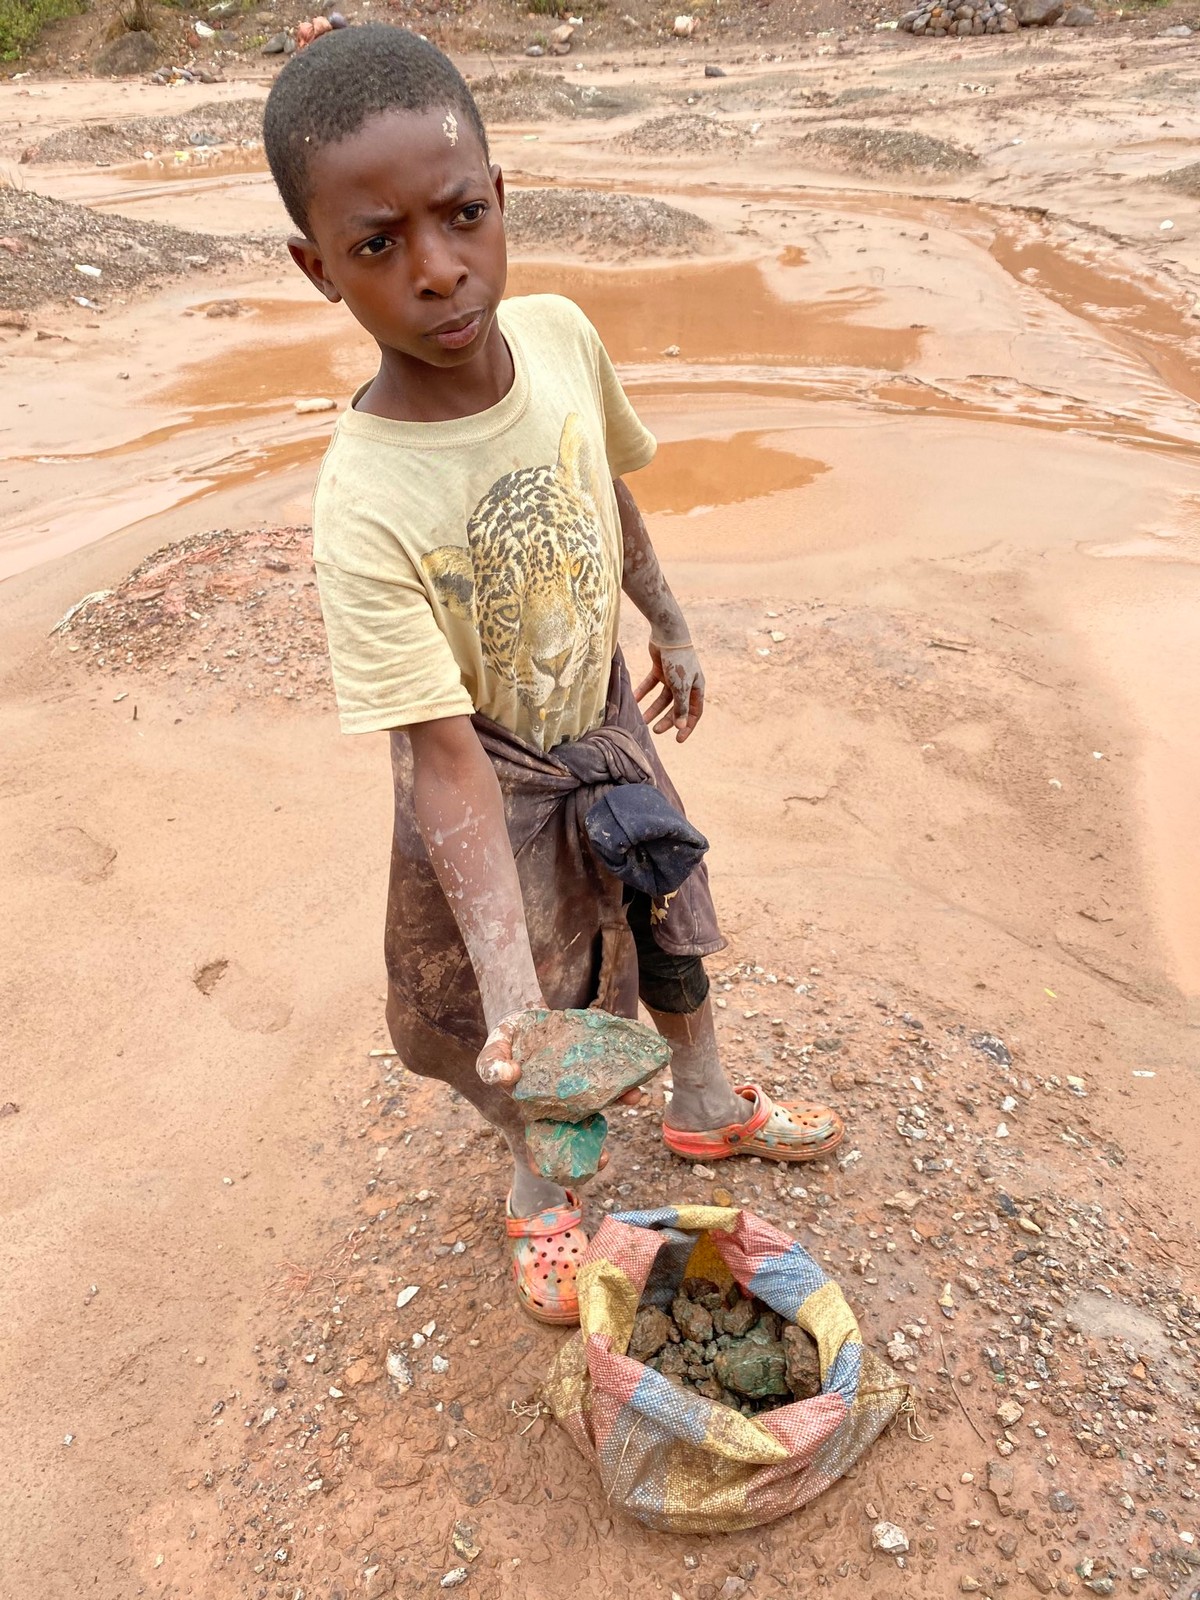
(420,155)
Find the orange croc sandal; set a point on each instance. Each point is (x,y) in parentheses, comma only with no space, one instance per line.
(776,1133)
(546,1251)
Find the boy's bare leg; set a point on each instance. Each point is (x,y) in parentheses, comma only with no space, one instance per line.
(701,1098)
(433,1055)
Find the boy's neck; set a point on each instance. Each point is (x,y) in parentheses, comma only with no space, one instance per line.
(407,390)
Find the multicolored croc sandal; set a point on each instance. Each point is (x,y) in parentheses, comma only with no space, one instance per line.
(546,1250)
(776,1133)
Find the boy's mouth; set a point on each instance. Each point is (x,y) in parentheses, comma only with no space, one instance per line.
(459,332)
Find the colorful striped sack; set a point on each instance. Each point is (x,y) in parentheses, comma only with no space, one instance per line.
(668,1456)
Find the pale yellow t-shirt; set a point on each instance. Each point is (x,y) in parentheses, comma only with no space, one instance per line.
(475,565)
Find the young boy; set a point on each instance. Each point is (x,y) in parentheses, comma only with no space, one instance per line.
(472,536)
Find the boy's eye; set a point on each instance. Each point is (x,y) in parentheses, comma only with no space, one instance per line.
(375,246)
(475,212)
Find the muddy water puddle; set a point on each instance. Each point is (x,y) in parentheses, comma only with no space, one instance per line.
(712,314)
(689,477)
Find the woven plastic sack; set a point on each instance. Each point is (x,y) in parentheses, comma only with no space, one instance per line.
(671,1458)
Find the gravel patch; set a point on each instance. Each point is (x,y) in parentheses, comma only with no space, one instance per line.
(526,96)
(612,225)
(695,135)
(1186,180)
(868,150)
(218,122)
(45,242)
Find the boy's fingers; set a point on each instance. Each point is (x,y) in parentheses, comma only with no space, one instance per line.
(648,683)
(660,705)
(495,1064)
(664,723)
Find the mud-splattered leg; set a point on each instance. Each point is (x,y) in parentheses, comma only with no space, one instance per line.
(701,1098)
(435,1055)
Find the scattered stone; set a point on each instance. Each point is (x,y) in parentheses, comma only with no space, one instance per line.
(1038,13)
(715,72)
(903,1200)
(464,1541)
(886,1536)
(304,407)
(454,1578)
(988,1044)
(1079,17)
(1000,1480)
(684,27)
(1009,1413)
(398,1369)
(277,44)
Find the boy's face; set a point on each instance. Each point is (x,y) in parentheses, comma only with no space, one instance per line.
(406,226)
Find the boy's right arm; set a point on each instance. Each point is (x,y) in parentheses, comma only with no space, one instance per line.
(460,813)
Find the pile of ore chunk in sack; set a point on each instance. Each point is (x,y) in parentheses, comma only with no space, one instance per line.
(729,1347)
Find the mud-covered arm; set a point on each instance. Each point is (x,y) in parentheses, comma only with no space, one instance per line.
(674,665)
(460,812)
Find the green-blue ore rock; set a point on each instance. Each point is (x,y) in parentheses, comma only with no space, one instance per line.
(566,1152)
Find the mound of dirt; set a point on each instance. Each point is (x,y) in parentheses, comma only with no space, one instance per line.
(218,122)
(223,607)
(852,148)
(695,135)
(528,96)
(46,242)
(1185,179)
(612,225)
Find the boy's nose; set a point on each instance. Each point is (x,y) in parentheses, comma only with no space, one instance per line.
(439,273)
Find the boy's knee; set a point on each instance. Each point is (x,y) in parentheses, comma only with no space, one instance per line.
(677,985)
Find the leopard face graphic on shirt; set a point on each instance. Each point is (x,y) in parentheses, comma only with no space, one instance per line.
(536,579)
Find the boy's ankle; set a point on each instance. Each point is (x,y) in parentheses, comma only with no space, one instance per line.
(705,1109)
(532,1193)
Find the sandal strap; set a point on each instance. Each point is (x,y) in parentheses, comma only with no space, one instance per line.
(565,1218)
(743,1132)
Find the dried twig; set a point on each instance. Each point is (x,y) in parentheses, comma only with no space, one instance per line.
(954,1391)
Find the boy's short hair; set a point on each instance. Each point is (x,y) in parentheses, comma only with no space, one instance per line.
(327,92)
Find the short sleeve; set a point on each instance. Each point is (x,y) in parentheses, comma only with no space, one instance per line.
(392,664)
(629,444)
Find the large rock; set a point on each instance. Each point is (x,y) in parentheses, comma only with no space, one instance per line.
(754,1370)
(1038,13)
(1079,17)
(574,1063)
(128,55)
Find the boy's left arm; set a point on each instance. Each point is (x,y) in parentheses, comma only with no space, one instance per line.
(674,665)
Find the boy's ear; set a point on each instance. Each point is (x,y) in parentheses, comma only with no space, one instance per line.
(307,257)
(497,178)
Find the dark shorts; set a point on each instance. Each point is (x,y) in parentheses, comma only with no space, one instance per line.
(675,984)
